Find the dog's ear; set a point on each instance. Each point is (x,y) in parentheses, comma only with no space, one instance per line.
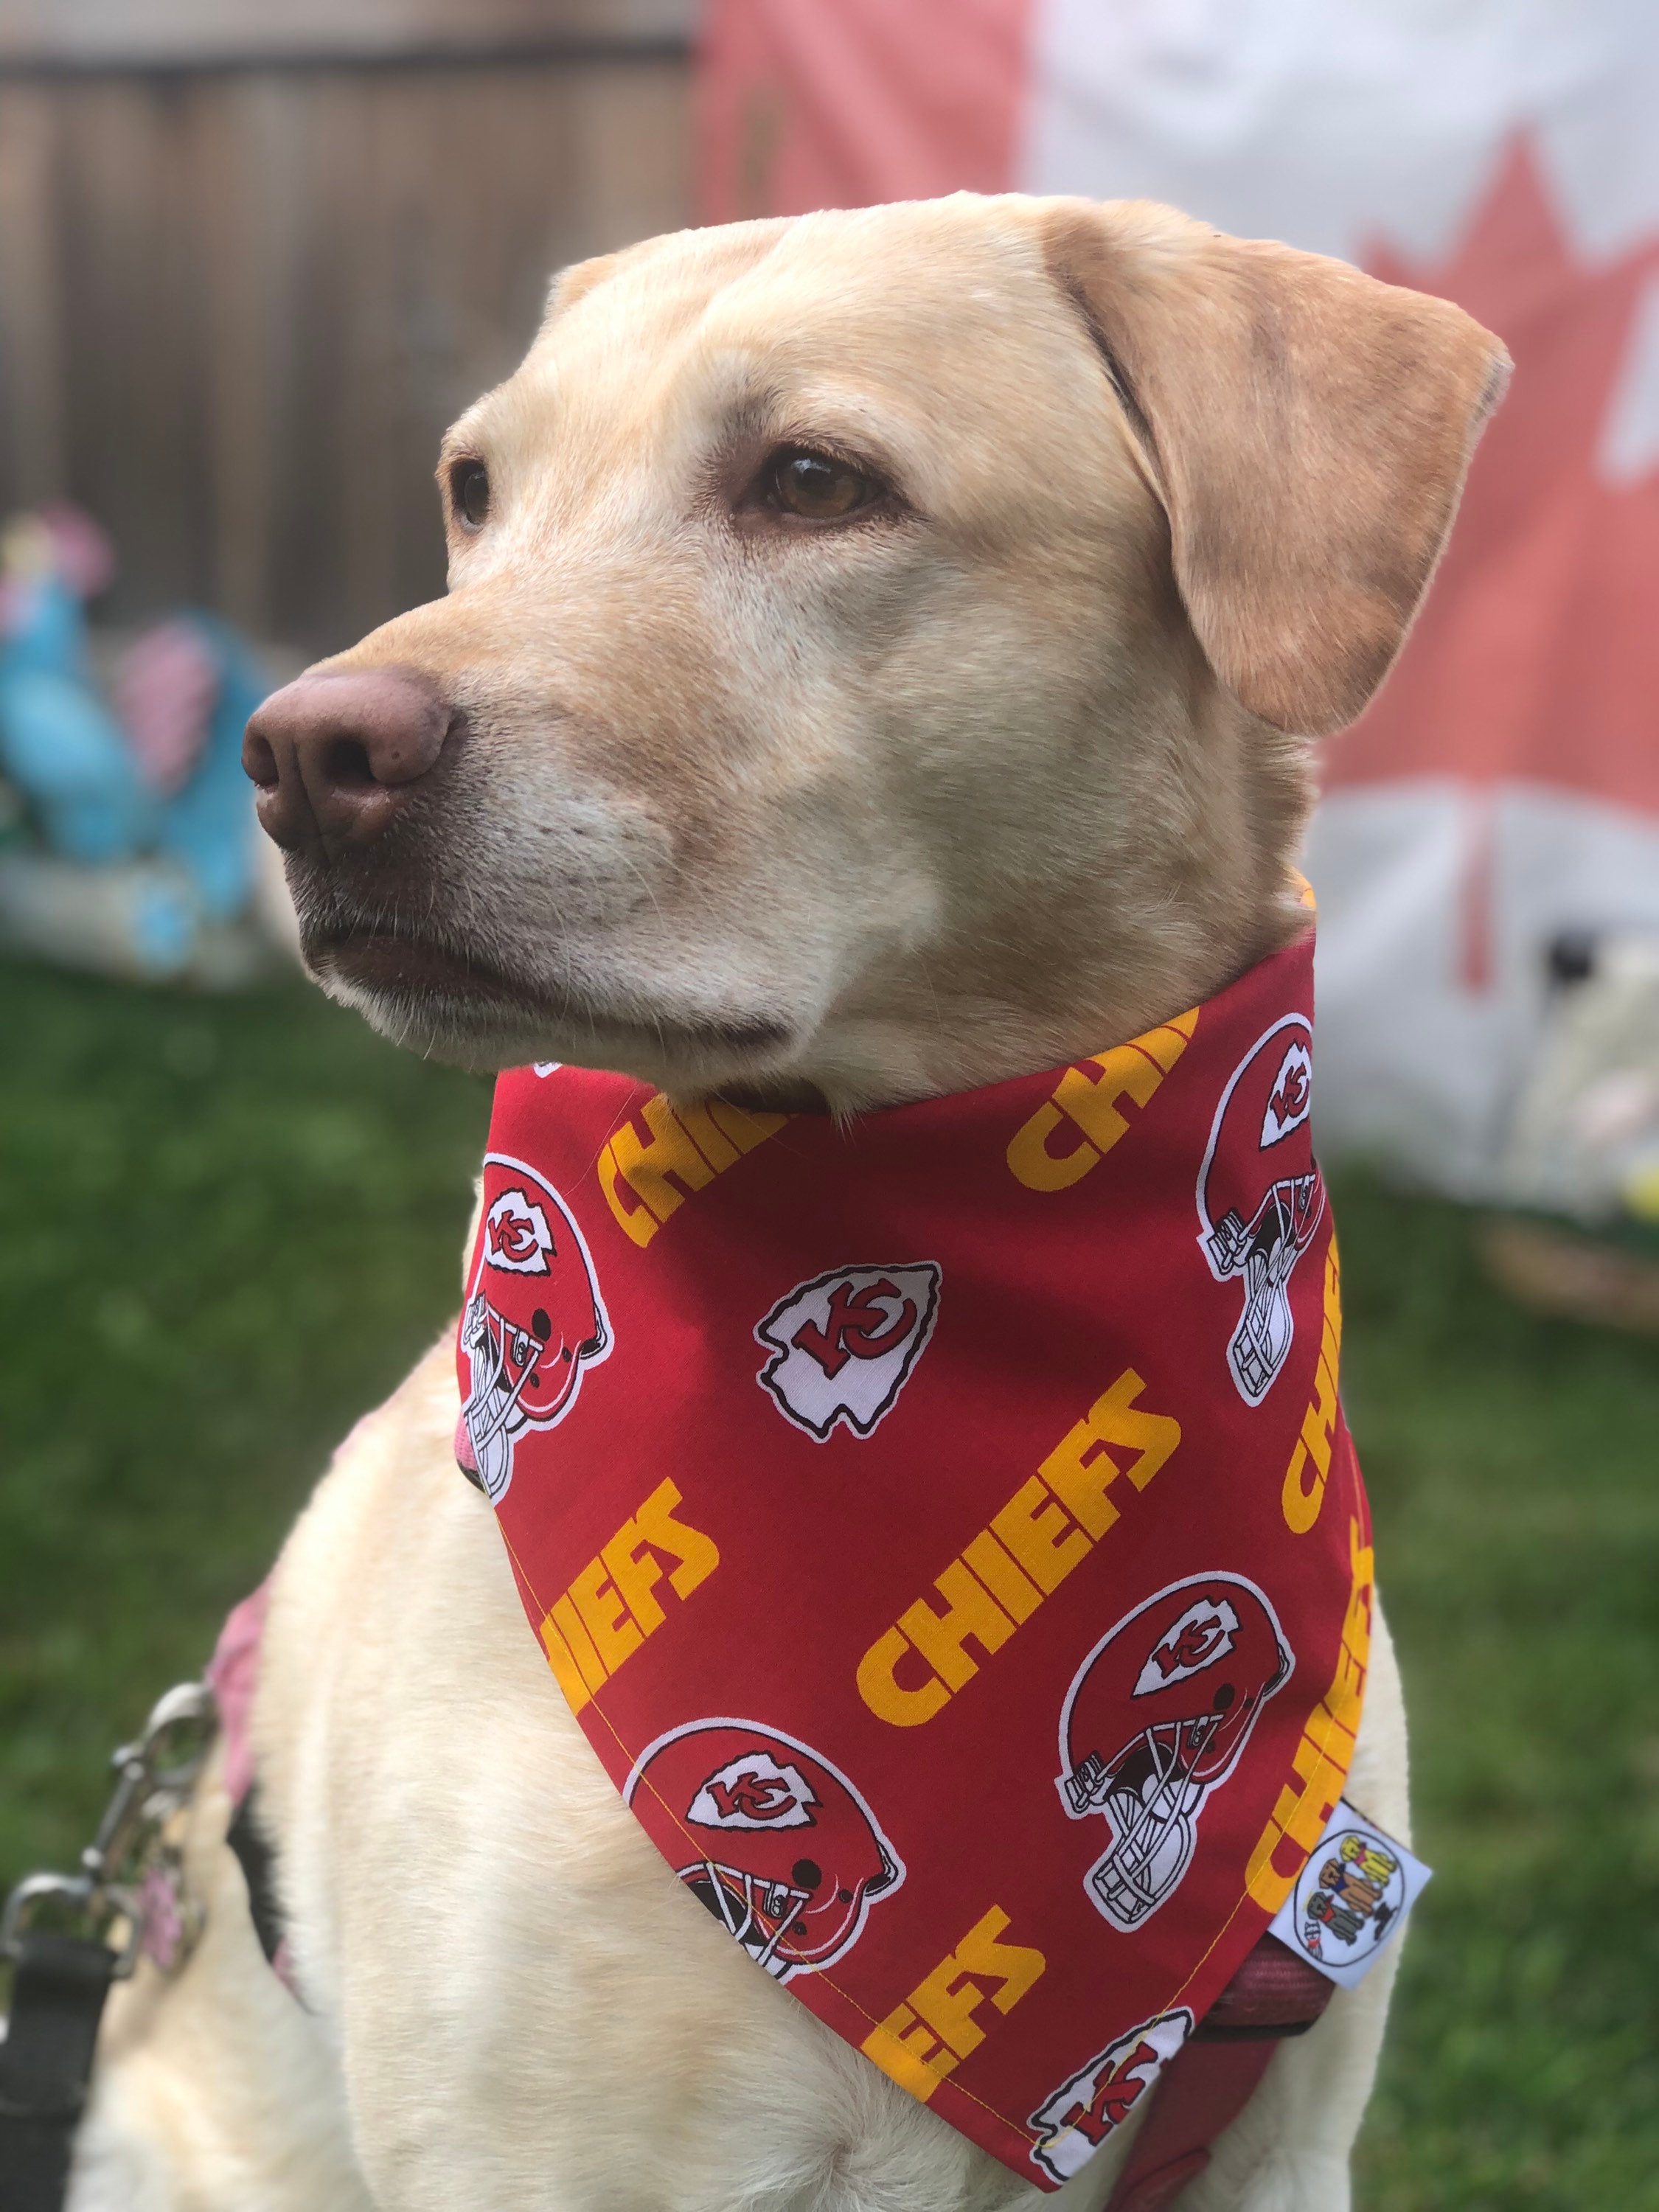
(1306,428)
(576,282)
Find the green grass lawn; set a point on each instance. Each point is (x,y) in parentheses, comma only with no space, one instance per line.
(227,1227)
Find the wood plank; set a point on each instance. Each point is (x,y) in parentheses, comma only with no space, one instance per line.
(239,310)
(217,34)
(33,430)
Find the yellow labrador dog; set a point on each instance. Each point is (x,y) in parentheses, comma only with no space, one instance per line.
(879,660)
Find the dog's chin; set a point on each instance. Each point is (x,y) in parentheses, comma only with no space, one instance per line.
(453,1004)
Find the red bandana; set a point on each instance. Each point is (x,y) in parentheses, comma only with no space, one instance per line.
(946,1530)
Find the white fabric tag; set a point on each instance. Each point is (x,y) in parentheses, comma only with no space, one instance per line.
(1351,1898)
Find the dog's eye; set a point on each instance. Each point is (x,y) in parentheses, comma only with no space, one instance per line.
(469,491)
(815,487)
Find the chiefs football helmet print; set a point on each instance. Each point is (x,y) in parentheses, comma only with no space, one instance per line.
(533,1318)
(1261,1197)
(1156,1718)
(774,1840)
(1072,2124)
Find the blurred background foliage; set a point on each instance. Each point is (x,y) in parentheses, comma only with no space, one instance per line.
(228,1226)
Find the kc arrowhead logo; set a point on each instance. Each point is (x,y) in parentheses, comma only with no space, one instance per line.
(1291,1097)
(754,1791)
(843,1345)
(1074,2122)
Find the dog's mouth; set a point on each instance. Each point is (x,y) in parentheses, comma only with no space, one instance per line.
(438,981)
(391,957)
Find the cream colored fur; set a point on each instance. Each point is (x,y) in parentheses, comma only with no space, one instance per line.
(994,776)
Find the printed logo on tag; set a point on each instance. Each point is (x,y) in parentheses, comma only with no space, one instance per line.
(1351,1898)
(1072,2124)
(843,1346)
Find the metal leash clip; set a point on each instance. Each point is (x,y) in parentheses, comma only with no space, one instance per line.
(130,1894)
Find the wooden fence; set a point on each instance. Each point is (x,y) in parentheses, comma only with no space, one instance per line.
(240,296)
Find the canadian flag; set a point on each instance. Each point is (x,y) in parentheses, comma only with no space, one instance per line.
(1504,786)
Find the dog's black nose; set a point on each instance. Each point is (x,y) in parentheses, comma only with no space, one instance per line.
(335,755)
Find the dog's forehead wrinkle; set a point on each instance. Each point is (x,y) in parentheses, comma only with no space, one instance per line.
(629,344)
(679,271)
(812,292)
(934,295)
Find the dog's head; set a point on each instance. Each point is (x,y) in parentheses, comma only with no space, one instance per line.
(879,648)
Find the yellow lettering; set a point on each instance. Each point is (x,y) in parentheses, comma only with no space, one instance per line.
(1013,1590)
(605,1616)
(1322,1778)
(1300,1500)
(947,2000)
(1034,1165)
(612,1606)
(636,1570)
(971,1611)
(707,1136)
(1151,1436)
(896,2047)
(561,1660)
(1321,1759)
(1130,1070)
(1268,1883)
(1041,1535)
(1016,1965)
(1080,1470)
(1169,1039)
(639,1221)
(886,1695)
(1303,1496)
(578,1641)
(1005,1571)
(646,1168)
(1357,1628)
(1090,1101)
(1345,1698)
(1320,1419)
(745,1129)
(693,1144)
(918,2052)
(698,1555)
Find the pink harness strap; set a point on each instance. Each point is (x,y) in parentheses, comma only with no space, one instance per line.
(232,1675)
(1209,2082)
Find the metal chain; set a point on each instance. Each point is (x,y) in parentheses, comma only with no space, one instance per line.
(130,1894)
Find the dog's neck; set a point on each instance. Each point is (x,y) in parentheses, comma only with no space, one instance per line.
(996,1043)
(1117,933)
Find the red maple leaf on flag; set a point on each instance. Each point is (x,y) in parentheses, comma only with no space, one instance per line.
(1536,657)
